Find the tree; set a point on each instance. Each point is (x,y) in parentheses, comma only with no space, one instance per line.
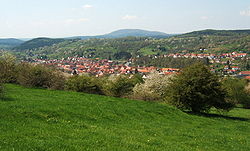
(152,89)
(8,68)
(1,90)
(122,55)
(39,76)
(122,85)
(85,84)
(197,89)
(246,104)
(236,91)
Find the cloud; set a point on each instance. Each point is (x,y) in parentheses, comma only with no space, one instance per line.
(87,6)
(129,17)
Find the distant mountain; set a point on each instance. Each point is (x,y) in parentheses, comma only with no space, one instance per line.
(127,33)
(135,33)
(42,42)
(38,42)
(26,39)
(9,43)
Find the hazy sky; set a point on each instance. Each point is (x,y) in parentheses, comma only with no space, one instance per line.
(62,18)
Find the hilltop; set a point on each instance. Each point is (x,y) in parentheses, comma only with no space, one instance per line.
(37,43)
(137,33)
(126,33)
(36,119)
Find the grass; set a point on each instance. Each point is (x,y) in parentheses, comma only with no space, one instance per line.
(35,119)
(147,51)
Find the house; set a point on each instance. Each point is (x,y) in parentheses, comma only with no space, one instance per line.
(244,73)
(247,77)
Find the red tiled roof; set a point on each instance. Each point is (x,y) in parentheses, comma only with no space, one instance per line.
(245,73)
(247,77)
(143,70)
(170,69)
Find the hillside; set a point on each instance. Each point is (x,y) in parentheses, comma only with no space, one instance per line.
(37,43)
(218,33)
(35,119)
(9,43)
(136,33)
(126,33)
(198,42)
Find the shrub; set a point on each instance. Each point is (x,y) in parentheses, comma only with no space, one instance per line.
(57,81)
(236,91)
(121,86)
(197,89)
(8,68)
(39,76)
(246,103)
(153,88)
(1,90)
(248,88)
(85,84)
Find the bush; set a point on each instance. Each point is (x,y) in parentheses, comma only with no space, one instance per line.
(122,85)
(39,76)
(57,81)
(197,89)
(153,88)
(1,90)
(246,103)
(248,88)
(85,84)
(8,68)
(236,91)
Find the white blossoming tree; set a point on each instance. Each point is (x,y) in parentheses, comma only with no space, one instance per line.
(153,88)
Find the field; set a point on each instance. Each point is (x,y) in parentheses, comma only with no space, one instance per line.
(36,119)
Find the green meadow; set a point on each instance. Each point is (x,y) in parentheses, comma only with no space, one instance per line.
(48,120)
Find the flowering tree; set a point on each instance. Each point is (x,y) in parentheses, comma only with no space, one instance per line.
(153,88)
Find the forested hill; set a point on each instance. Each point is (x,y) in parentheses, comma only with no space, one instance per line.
(123,48)
(37,43)
(136,33)
(9,43)
(42,42)
(210,32)
(126,33)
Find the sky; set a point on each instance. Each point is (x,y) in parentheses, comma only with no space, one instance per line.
(65,18)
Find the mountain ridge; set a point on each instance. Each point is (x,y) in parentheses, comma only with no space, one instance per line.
(39,42)
(121,33)
(7,43)
(210,40)
(218,32)
(45,41)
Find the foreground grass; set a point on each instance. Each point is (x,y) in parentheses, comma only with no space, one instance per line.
(35,119)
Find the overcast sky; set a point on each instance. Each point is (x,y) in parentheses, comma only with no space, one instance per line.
(62,18)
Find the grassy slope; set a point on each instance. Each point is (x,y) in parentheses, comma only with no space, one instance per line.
(34,119)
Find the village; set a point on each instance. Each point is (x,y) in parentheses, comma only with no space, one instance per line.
(226,64)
